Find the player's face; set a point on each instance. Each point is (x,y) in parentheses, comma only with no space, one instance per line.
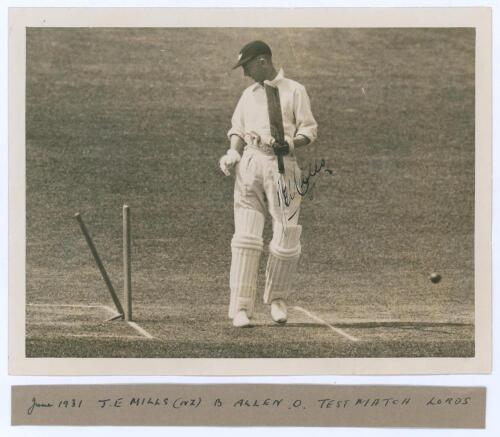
(255,69)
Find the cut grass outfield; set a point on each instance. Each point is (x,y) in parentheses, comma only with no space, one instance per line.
(139,116)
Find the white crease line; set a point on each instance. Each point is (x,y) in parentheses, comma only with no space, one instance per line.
(65,305)
(141,330)
(45,322)
(333,328)
(134,325)
(111,310)
(129,337)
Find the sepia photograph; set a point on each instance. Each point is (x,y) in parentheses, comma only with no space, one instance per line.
(250,192)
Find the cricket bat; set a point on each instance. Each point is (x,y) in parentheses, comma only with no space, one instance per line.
(276,124)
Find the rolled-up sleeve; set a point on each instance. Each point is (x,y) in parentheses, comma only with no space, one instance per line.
(304,119)
(238,120)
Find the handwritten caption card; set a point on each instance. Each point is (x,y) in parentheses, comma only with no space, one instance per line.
(249,405)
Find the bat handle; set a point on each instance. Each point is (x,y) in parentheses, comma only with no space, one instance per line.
(281,165)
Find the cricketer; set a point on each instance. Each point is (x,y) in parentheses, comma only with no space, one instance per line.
(272,119)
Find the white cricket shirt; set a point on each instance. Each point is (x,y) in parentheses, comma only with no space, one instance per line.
(251,114)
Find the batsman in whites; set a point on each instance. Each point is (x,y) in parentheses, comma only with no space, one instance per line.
(272,119)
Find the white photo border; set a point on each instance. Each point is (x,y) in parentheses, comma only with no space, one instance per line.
(21,18)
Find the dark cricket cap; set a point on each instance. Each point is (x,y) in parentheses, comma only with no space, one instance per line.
(252,50)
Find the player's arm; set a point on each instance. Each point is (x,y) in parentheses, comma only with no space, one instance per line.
(300,141)
(307,128)
(236,142)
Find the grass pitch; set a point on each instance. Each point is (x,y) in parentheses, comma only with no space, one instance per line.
(139,116)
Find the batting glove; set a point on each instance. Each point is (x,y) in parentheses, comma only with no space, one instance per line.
(228,161)
(289,141)
(284,149)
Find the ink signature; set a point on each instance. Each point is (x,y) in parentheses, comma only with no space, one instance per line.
(312,171)
(303,185)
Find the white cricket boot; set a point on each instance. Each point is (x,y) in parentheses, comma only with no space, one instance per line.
(241,320)
(279,311)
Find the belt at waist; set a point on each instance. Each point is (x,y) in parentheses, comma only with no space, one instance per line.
(268,152)
(259,150)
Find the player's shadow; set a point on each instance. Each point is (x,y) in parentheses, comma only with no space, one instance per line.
(294,325)
(406,325)
(396,324)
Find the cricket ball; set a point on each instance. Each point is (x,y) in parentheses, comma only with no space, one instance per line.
(435,278)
